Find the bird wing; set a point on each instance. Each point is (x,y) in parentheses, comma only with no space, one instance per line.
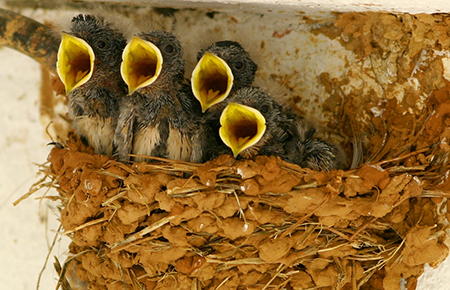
(123,137)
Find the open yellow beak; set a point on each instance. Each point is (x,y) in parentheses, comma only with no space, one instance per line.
(242,127)
(141,64)
(212,80)
(75,62)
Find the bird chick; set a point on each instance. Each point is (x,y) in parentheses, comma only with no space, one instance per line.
(249,124)
(222,68)
(152,120)
(306,150)
(252,123)
(88,64)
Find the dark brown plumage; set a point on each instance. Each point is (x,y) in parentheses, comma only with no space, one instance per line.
(302,147)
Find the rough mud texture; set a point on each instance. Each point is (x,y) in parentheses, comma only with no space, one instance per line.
(267,224)
(246,224)
(407,58)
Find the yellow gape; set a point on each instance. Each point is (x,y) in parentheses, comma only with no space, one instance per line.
(212,80)
(242,127)
(141,64)
(75,62)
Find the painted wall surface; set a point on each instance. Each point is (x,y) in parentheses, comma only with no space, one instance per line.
(308,6)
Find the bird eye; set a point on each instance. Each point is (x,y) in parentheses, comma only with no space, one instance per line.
(238,64)
(169,48)
(100,44)
(264,109)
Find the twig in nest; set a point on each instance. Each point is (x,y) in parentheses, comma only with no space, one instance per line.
(120,194)
(223,282)
(64,283)
(241,212)
(383,262)
(358,150)
(245,261)
(121,274)
(47,257)
(176,164)
(382,145)
(107,173)
(401,169)
(341,272)
(304,186)
(291,228)
(435,193)
(35,187)
(400,157)
(334,231)
(85,225)
(143,232)
(353,278)
(281,268)
(135,280)
(332,248)
(361,228)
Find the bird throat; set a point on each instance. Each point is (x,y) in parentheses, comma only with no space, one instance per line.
(214,85)
(243,131)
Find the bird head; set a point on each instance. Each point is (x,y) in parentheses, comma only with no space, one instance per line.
(91,44)
(221,67)
(249,121)
(241,127)
(152,56)
(212,80)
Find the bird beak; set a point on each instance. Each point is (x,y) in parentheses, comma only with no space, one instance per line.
(212,80)
(242,127)
(75,62)
(141,64)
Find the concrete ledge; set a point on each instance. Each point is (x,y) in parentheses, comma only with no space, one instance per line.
(307,6)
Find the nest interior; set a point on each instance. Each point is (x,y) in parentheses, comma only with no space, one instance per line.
(268,224)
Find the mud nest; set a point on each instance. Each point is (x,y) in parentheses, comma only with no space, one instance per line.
(247,224)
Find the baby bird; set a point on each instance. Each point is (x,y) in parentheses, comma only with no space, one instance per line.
(252,123)
(304,149)
(152,120)
(249,125)
(222,68)
(88,64)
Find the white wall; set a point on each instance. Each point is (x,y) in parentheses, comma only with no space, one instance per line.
(308,6)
